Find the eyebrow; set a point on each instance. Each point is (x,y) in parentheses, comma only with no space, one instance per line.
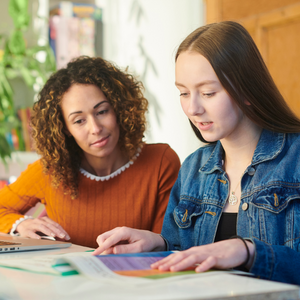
(79,112)
(198,84)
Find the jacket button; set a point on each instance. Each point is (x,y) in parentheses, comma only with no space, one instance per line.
(245,206)
(251,171)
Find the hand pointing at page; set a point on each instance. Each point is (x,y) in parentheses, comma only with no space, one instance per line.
(128,240)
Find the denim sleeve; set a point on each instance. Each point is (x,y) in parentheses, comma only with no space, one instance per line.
(170,230)
(278,263)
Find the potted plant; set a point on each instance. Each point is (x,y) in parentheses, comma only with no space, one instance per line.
(18,61)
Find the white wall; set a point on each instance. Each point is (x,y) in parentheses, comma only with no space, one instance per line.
(144,35)
(17,164)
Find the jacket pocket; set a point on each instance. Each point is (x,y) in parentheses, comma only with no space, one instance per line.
(275,199)
(276,216)
(184,213)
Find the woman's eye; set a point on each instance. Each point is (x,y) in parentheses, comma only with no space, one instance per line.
(183,94)
(78,121)
(101,112)
(208,95)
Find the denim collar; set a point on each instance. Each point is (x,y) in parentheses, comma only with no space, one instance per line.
(270,144)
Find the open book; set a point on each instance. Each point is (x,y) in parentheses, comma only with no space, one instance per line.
(123,268)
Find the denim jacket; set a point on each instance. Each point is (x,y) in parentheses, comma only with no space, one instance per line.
(269,212)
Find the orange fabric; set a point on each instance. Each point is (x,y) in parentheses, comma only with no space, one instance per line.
(136,198)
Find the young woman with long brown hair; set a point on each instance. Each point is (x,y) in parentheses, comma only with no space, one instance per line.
(236,202)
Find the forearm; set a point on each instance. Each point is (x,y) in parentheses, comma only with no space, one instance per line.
(17,198)
(14,205)
(7,219)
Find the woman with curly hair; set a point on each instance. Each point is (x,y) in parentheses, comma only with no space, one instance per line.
(95,171)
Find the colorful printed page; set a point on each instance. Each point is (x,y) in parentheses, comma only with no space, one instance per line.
(125,269)
(138,264)
(107,268)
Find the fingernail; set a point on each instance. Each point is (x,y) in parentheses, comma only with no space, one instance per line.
(52,234)
(61,235)
(67,237)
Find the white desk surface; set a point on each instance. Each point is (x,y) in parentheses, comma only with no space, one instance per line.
(23,285)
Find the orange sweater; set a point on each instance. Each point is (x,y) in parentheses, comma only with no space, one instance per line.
(136,198)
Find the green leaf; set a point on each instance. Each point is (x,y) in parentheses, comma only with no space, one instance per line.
(18,10)
(9,123)
(1,89)
(6,86)
(5,151)
(7,54)
(16,43)
(21,139)
(29,80)
(5,104)
(11,73)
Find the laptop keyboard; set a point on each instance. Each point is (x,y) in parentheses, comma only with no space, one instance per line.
(4,243)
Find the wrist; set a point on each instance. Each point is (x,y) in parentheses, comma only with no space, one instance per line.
(13,230)
(250,252)
(251,248)
(161,243)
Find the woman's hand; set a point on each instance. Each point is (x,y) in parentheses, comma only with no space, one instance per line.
(45,225)
(221,255)
(128,240)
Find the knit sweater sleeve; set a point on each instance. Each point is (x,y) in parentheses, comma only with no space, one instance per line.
(169,168)
(17,198)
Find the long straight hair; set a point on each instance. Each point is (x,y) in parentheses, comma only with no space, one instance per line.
(240,68)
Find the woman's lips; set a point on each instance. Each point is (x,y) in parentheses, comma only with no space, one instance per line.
(100,143)
(204,125)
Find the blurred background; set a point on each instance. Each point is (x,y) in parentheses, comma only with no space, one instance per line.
(39,36)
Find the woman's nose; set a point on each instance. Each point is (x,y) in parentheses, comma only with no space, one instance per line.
(95,126)
(195,105)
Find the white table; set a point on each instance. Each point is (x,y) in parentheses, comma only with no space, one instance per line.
(23,285)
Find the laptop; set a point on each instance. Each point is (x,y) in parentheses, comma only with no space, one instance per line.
(10,243)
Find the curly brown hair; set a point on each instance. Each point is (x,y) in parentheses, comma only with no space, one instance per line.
(60,155)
